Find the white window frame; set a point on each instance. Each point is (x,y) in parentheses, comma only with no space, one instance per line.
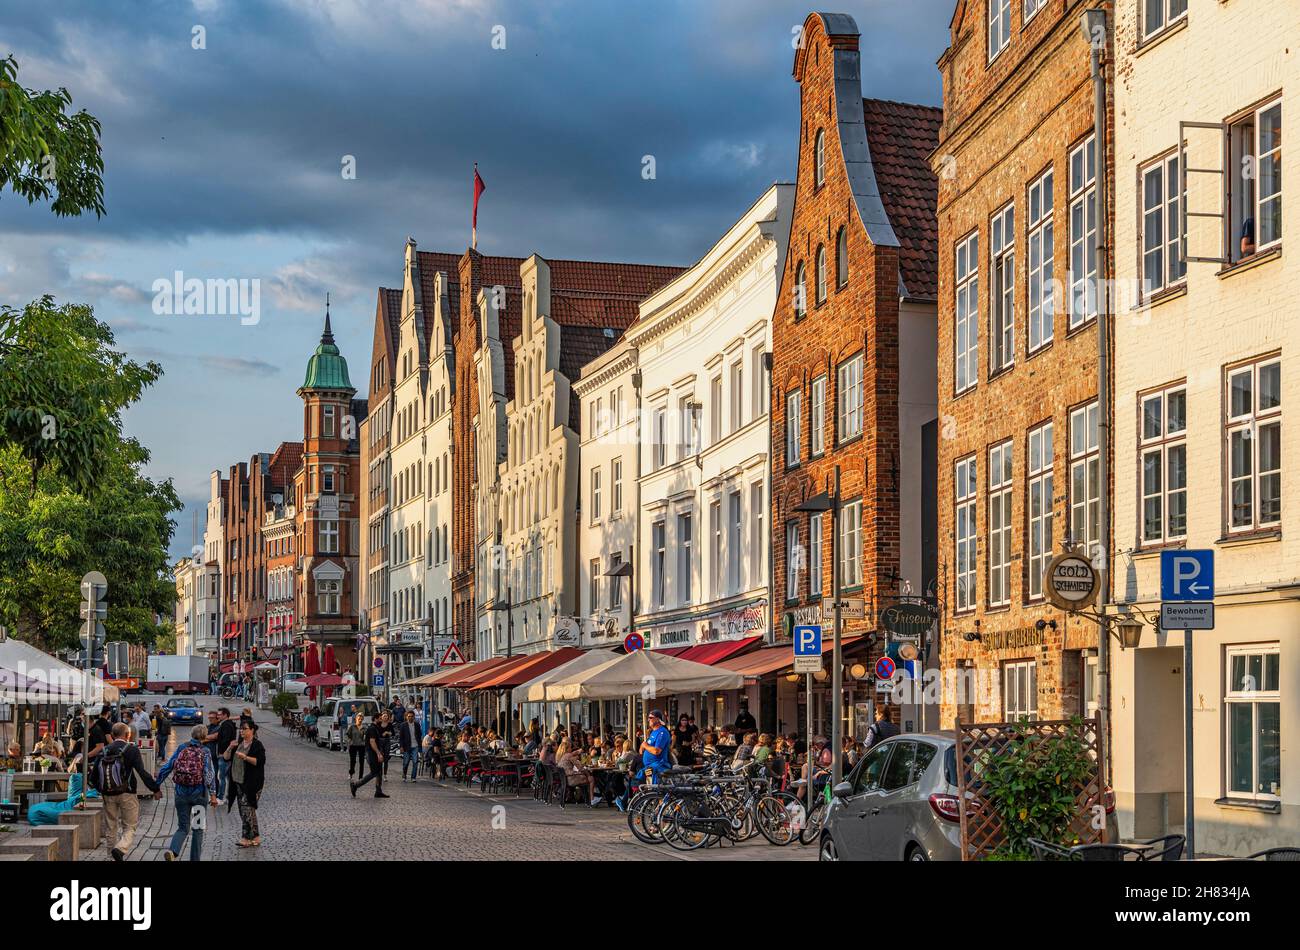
(735,541)
(850,397)
(793,420)
(966,334)
(1246,426)
(1002,289)
(658,563)
(817,428)
(615,583)
(815,541)
(1031,9)
(819,158)
(1275,156)
(758,541)
(1083,238)
(715,409)
(329,594)
(820,274)
(999,32)
(1160,224)
(1085,511)
(1238,694)
(595,494)
(593,587)
(965,499)
(793,559)
(616,486)
(1171,12)
(850,545)
(329,537)
(685,542)
(660,437)
(716,562)
(800,291)
(1038,505)
(1020,690)
(999,483)
(737,376)
(1162,449)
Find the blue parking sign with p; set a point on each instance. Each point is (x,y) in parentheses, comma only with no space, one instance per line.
(1187,575)
(808,640)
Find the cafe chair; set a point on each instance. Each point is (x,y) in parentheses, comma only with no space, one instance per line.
(1166,848)
(1046,851)
(1106,852)
(1275,854)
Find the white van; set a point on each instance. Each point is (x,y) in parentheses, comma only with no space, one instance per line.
(336,713)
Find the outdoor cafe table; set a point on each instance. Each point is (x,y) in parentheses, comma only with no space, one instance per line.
(39,777)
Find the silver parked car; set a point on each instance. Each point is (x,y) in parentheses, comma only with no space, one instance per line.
(899,803)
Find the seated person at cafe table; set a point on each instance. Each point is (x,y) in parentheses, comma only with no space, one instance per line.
(570,759)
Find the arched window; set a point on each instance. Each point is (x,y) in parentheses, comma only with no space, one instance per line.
(819,158)
(821,274)
(800,291)
(842,258)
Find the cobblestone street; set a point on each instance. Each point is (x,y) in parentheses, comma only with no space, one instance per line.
(307,813)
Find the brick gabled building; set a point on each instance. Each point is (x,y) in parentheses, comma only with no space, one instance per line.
(853,347)
(1018,461)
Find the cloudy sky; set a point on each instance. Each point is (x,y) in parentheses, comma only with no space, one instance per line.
(227,161)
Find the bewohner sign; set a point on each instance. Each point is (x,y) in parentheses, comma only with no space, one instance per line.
(1070,581)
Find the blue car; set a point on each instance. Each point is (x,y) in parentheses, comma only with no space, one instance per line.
(181,711)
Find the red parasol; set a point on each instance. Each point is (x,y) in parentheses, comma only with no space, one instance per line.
(311,665)
(324,680)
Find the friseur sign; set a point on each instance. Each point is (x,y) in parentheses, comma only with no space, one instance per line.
(907,621)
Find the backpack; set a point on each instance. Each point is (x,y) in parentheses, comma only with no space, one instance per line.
(112,773)
(189,769)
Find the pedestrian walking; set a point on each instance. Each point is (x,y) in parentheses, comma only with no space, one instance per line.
(195,777)
(355,737)
(114,778)
(376,754)
(247,758)
(226,734)
(162,728)
(409,737)
(140,722)
(881,729)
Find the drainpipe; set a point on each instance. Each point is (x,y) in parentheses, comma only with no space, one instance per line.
(1096,29)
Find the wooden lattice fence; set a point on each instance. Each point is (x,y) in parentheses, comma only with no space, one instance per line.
(981,826)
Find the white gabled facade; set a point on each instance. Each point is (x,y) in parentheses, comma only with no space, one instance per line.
(489,441)
(702,496)
(1205,379)
(536,491)
(607,483)
(437,447)
(208,627)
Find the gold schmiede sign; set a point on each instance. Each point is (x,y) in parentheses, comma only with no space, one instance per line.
(1016,639)
(1070,581)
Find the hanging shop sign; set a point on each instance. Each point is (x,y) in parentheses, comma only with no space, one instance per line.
(907,621)
(1070,581)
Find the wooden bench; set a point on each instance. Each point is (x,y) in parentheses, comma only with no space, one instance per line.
(36,848)
(91,823)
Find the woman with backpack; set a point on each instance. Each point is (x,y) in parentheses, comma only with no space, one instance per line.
(247,776)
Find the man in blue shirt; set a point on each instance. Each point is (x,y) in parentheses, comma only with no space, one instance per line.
(654,750)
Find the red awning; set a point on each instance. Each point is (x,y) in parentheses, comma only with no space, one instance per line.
(673,651)
(454,677)
(711,653)
(227,667)
(771,659)
(533,665)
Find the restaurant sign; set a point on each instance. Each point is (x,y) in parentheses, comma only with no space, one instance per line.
(1017,638)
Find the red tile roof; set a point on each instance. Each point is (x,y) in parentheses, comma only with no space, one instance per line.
(901,137)
(431,262)
(286,460)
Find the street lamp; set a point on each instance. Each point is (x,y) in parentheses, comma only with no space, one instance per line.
(1129,631)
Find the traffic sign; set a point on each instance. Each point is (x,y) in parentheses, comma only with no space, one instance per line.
(94,586)
(633,642)
(1182,615)
(452,656)
(808,640)
(885,668)
(1187,575)
(377,680)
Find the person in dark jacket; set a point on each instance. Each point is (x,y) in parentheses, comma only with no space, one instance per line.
(881,729)
(114,776)
(247,758)
(163,730)
(409,738)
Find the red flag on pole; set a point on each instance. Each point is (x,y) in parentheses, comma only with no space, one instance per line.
(479,188)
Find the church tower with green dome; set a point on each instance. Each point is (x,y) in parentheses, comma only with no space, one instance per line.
(326,489)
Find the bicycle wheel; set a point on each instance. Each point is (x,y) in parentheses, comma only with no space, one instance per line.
(640,811)
(678,830)
(812,827)
(777,814)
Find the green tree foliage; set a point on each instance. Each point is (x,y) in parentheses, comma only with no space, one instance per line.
(72,494)
(63,388)
(45,151)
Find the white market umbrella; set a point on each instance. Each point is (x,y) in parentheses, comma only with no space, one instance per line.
(645,673)
(536,689)
(50,680)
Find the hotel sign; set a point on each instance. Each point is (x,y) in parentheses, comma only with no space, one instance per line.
(1070,581)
